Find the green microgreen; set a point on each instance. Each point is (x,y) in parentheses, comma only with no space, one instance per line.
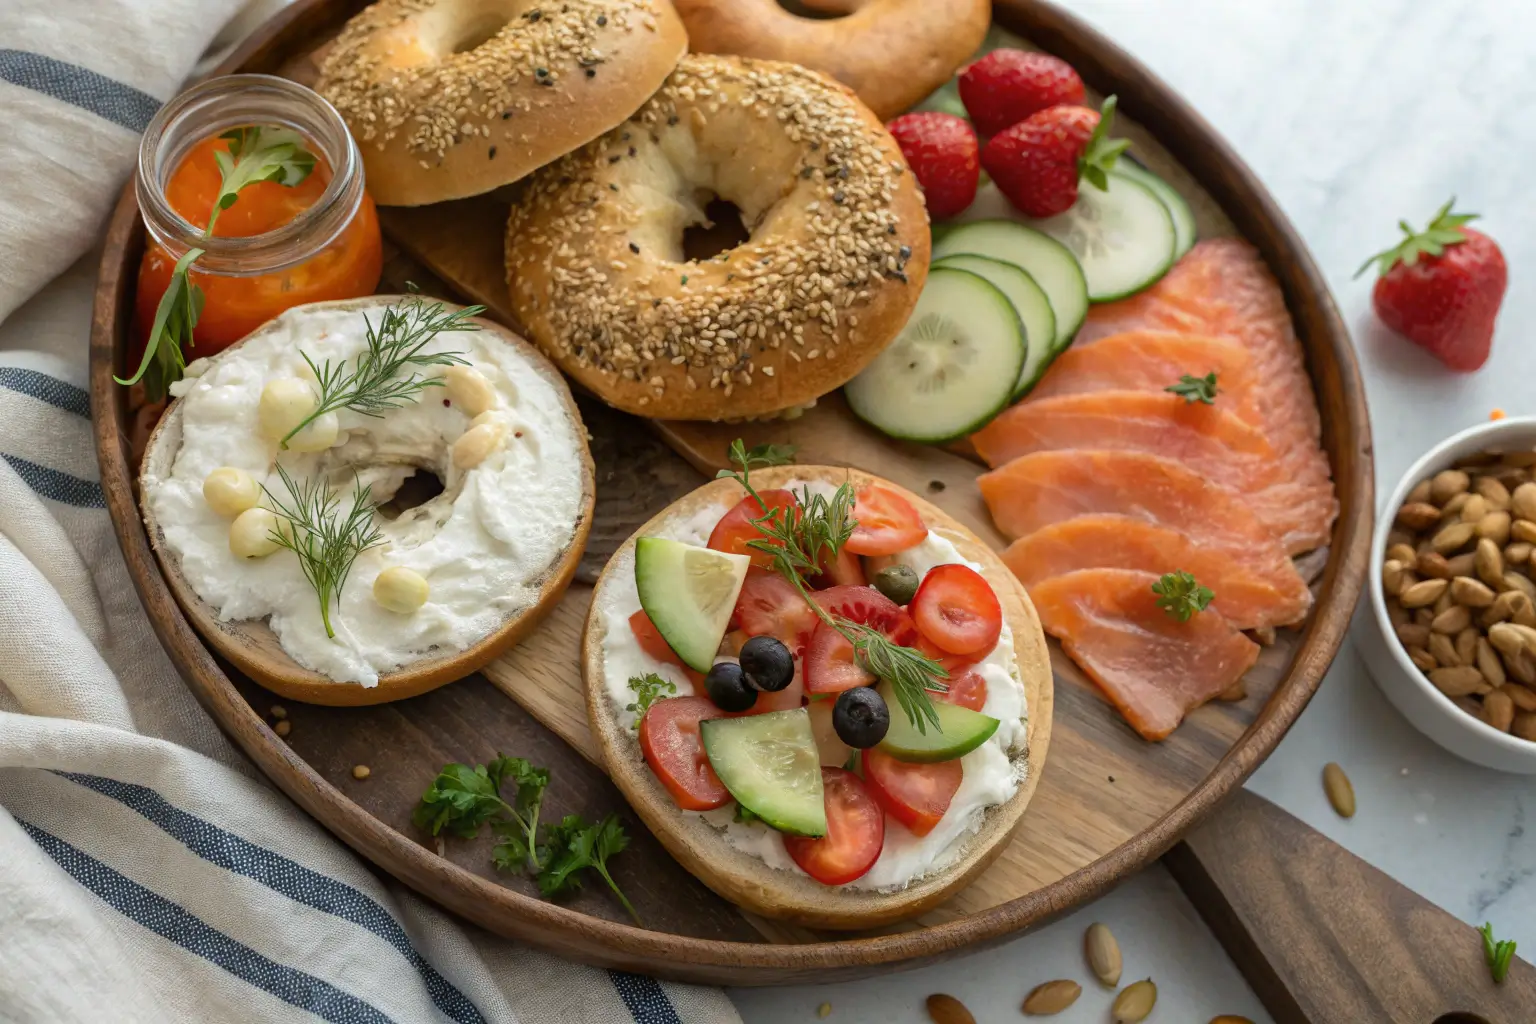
(1498,953)
(1181,595)
(648,689)
(1196,389)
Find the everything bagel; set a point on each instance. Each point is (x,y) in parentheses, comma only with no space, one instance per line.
(892,53)
(451,98)
(836,258)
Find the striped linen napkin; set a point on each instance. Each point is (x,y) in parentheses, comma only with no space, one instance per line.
(147,871)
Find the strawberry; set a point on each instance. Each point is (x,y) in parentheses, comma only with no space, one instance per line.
(1441,288)
(1037,163)
(942,151)
(1006,86)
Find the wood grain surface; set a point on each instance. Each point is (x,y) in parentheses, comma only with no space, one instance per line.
(1324,938)
(1108,804)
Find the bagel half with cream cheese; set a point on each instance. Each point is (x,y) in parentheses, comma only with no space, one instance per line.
(701,841)
(452,98)
(494,550)
(893,53)
(836,258)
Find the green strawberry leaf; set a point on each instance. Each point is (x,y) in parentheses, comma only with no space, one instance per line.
(1100,154)
(1444,230)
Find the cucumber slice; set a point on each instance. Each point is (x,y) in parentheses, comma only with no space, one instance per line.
(960,731)
(952,367)
(1183,217)
(1123,237)
(1028,300)
(1050,263)
(771,766)
(689,593)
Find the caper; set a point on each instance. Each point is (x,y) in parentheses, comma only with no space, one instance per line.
(897,582)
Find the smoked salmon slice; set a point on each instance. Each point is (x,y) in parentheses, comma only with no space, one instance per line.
(1153,668)
(1146,360)
(1251,590)
(1208,439)
(1034,491)
(1222,288)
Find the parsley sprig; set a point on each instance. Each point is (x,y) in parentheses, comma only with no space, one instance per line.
(1181,595)
(648,689)
(798,543)
(462,799)
(255,153)
(374,383)
(1196,389)
(1498,953)
(326,542)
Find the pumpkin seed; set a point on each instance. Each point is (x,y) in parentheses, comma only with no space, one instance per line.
(1459,680)
(1434,566)
(1453,538)
(1422,593)
(1499,710)
(1051,998)
(1134,1002)
(1418,516)
(1522,502)
(1448,483)
(946,1009)
(1422,659)
(1103,954)
(1472,593)
(1340,793)
(1489,561)
(1496,494)
(1488,663)
(1442,649)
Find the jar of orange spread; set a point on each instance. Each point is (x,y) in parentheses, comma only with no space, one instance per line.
(277,246)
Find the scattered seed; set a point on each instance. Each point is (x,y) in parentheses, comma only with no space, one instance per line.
(1392,577)
(946,1009)
(1464,564)
(278,711)
(1443,650)
(1340,793)
(361,771)
(1523,529)
(1518,552)
(1103,954)
(1134,1003)
(824,1010)
(283,727)
(1051,997)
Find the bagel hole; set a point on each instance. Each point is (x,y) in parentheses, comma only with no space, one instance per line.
(417,489)
(479,31)
(723,232)
(828,12)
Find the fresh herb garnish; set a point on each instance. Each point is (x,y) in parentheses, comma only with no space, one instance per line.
(648,688)
(1101,152)
(374,383)
(254,154)
(1196,389)
(1498,953)
(325,542)
(461,799)
(799,542)
(573,845)
(1181,595)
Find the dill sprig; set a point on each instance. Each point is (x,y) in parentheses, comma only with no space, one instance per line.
(325,542)
(373,384)
(799,544)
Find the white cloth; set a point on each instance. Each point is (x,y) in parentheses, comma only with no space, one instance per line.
(147,872)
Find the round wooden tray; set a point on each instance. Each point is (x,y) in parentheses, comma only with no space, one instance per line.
(1108,804)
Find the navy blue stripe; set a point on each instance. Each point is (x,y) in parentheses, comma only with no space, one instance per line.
(46,389)
(286,877)
(647,1003)
(173,922)
(56,486)
(81,87)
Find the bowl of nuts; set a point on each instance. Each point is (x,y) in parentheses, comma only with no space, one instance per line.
(1451,639)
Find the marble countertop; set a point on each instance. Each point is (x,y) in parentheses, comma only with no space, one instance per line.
(1354,115)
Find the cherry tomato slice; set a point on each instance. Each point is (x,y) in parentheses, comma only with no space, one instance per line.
(887,523)
(829,663)
(653,643)
(735,528)
(770,606)
(855,832)
(954,664)
(829,659)
(957,610)
(967,688)
(670,741)
(917,795)
(846,570)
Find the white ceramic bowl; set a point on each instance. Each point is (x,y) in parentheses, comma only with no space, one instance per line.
(1405,686)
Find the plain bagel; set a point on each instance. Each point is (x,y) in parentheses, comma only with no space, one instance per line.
(836,258)
(892,52)
(451,98)
(746,880)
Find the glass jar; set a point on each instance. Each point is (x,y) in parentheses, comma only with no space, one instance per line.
(277,246)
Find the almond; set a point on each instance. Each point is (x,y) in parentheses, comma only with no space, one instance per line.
(1422,593)
(1523,529)
(1522,502)
(1103,954)
(1403,553)
(1453,620)
(1340,793)
(1494,526)
(1459,681)
(1488,663)
(1135,1002)
(1464,564)
(1473,509)
(1448,483)
(1489,561)
(1411,635)
(1453,538)
(1443,650)
(1433,566)
(1518,552)
(946,1009)
(1472,593)
(1051,998)
(1418,516)
(1499,710)
(1523,696)
(1421,492)
(1466,645)
(1494,492)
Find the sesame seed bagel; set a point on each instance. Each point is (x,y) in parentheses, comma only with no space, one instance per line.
(893,53)
(452,98)
(836,258)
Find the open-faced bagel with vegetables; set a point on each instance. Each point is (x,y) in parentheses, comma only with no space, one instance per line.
(832,712)
(289,495)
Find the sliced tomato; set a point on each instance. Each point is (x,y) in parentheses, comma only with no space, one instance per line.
(887,523)
(653,643)
(670,741)
(855,832)
(735,528)
(967,688)
(917,795)
(956,609)
(845,571)
(770,606)
(954,664)
(829,659)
